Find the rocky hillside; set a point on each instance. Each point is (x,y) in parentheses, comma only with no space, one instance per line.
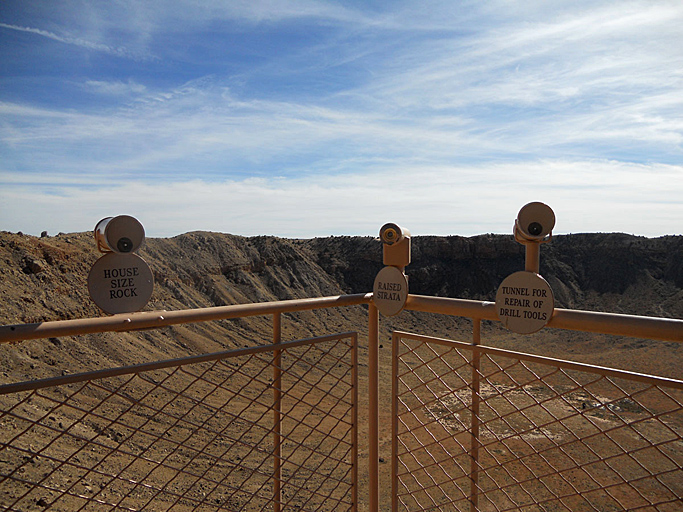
(608,272)
(44,279)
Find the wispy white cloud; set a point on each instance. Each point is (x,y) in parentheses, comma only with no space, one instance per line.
(188,14)
(203,128)
(447,200)
(117,51)
(457,114)
(115,87)
(601,50)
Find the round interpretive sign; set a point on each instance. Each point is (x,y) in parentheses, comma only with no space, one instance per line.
(524,302)
(390,291)
(120,283)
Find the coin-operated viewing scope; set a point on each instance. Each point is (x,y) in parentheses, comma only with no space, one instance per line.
(393,233)
(120,281)
(535,221)
(121,234)
(533,227)
(390,291)
(396,245)
(524,300)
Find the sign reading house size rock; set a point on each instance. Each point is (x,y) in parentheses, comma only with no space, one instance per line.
(390,291)
(120,283)
(525,302)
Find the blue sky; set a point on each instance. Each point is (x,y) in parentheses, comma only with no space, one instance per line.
(306,118)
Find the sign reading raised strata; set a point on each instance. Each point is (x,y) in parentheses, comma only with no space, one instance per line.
(524,302)
(120,283)
(390,291)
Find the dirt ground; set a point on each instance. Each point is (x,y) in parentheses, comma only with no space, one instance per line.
(68,435)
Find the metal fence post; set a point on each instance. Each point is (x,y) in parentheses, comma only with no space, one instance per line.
(354,420)
(373,408)
(474,468)
(395,341)
(277,403)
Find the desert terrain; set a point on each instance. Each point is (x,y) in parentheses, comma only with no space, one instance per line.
(44,279)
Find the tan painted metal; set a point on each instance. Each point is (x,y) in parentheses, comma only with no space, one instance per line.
(628,325)
(532,257)
(122,234)
(474,466)
(141,444)
(373,408)
(277,413)
(668,329)
(533,226)
(550,433)
(156,319)
(396,245)
(591,321)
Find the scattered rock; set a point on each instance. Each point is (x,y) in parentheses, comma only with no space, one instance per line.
(32,266)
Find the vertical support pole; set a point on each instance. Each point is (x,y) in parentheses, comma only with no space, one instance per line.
(476,365)
(277,404)
(373,408)
(395,340)
(354,419)
(532,261)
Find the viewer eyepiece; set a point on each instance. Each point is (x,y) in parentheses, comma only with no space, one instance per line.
(124,244)
(535,229)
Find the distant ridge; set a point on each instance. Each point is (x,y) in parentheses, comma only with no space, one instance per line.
(615,272)
(44,278)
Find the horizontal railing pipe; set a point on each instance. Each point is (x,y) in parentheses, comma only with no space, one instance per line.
(668,329)
(453,307)
(31,385)
(156,319)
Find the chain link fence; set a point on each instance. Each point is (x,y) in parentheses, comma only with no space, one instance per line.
(478,428)
(258,428)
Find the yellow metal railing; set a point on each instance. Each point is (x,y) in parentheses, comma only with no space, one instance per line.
(210,432)
(494,468)
(479,428)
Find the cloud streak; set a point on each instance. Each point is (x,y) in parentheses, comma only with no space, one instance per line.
(306,106)
(82,43)
(428,200)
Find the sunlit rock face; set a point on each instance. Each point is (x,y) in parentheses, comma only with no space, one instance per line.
(45,279)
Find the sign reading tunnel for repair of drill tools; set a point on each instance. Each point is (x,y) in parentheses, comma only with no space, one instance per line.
(120,283)
(525,302)
(390,291)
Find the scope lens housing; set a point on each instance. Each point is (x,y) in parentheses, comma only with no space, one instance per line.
(124,244)
(535,229)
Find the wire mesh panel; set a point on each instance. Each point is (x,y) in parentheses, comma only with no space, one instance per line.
(194,434)
(319,428)
(432,420)
(548,434)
